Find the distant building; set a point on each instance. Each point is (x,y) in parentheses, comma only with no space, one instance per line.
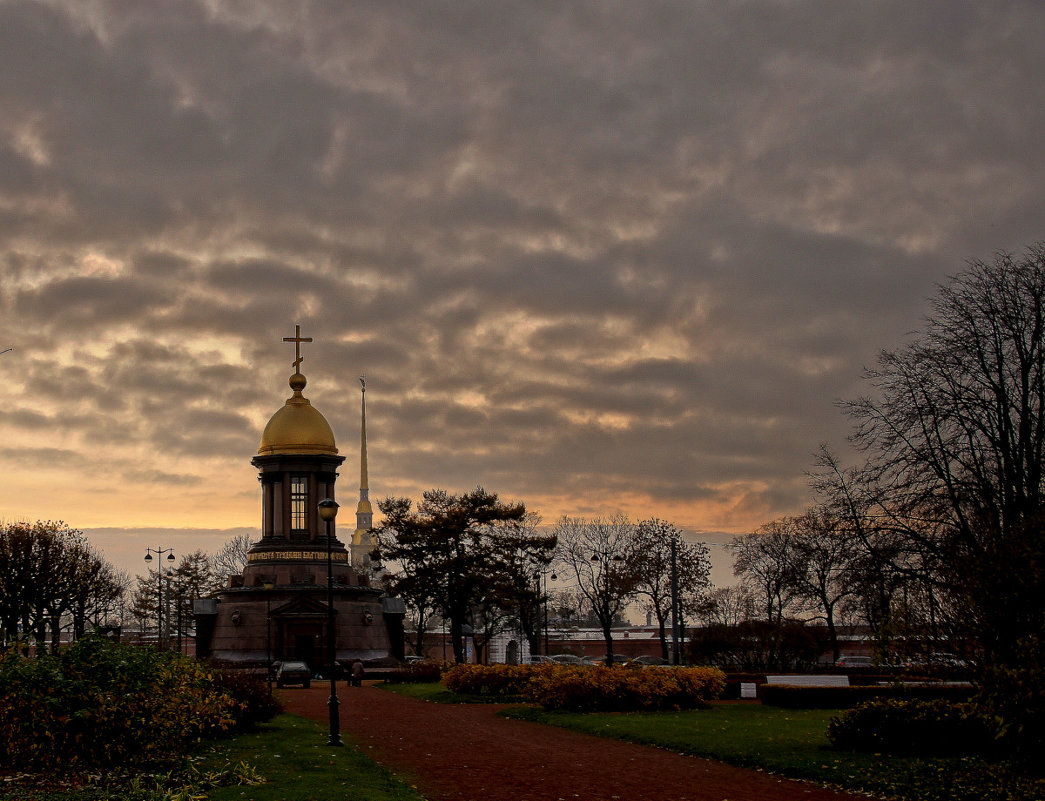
(277,608)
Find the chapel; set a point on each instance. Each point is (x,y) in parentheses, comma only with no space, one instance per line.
(277,609)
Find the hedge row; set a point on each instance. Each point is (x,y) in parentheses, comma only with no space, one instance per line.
(793,697)
(591,689)
(917,728)
(416,673)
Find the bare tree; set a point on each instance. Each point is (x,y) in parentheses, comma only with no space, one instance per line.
(654,542)
(728,606)
(567,605)
(955,456)
(600,555)
(762,560)
(954,437)
(823,554)
(229,560)
(50,578)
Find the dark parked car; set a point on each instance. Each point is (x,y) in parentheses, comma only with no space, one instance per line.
(650,660)
(293,673)
(567,659)
(618,659)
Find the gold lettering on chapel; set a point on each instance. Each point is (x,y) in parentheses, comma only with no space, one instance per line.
(274,555)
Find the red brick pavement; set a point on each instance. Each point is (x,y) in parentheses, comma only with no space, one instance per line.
(466,752)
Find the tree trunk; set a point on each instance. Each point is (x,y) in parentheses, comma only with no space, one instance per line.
(832,632)
(662,627)
(79,620)
(419,647)
(457,638)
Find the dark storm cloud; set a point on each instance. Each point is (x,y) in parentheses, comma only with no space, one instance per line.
(585,250)
(82,301)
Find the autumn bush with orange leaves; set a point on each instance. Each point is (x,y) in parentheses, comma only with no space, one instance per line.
(596,688)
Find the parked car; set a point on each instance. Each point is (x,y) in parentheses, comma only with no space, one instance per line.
(540,659)
(650,660)
(293,673)
(618,659)
(854,662)
(567,659)
(939,660)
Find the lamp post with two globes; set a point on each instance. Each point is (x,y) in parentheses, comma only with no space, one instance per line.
(159,583)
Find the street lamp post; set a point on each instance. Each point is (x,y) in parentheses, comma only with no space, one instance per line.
(537,578)
(269,586)
(159,586)
(542,611)
(676,623)
(328,511)
(554,577)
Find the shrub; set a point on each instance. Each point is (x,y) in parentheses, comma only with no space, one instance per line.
(254,701)
(917,728)
(606,689)
(591,689)
(101,704)
(1017,695)
(416,673)
(502,681)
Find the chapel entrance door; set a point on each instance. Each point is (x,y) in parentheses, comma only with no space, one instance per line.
(305,649)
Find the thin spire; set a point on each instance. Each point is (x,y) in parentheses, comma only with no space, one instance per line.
(362,448)
(364,511)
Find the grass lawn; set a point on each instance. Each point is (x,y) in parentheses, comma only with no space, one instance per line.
(289,753)
(793,742)
(432,691)
(790,742)
(426,691)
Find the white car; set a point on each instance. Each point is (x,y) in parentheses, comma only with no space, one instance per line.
(293,673)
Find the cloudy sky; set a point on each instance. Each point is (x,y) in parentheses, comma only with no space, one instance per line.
(598,257)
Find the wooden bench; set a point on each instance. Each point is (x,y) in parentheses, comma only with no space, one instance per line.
(810,680)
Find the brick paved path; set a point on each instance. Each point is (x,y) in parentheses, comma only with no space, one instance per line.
(465,752)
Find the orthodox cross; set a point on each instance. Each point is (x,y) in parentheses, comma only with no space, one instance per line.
(297,339)
(362,382)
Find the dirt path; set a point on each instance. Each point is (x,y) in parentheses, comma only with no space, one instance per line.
(465,752)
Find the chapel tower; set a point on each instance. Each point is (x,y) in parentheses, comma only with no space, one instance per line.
(276,609)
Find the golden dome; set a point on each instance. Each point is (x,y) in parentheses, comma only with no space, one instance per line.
(297,427)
